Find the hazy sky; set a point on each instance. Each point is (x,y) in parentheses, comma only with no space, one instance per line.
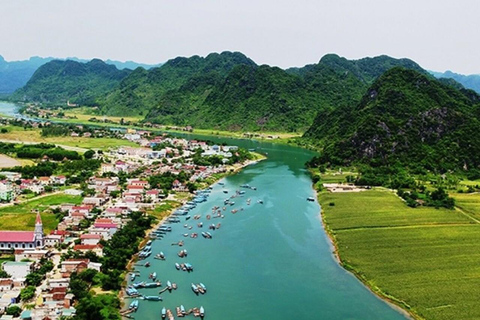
(438,34)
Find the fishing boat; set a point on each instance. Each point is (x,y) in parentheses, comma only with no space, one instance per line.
(194,235)
(138,285)
(194,288)
(200,225)
(133,305)
(311,199)
(153,276)
(147,264)
(212,226)
(221,183)
(152,298)
(260,201)
(131,291)
(225,191)
(187,217)
(182,309)
(188,267)
(203,286)
(245,186)
(177,266)
(170,315)
(202,312)
(169,285)
(232,203)
(149,243)
(182,253)
(152,284)
(133,276)
(164,313)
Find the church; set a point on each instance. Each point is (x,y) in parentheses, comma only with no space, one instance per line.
(23,239)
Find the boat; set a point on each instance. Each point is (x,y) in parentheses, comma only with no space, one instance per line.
(253,188)
(207,235)
(153,276)
(182,309)
(200,225)
(152,298)
(169,285)
(149,243)
(232,203)
(133,276)
(311,199)
(188,267)
(221,183)
(133,305)
(147,264)
(182,253)
(164,313)
(187,217)
(194,288)
(170,315)
(138,285)
(225,191)
(152,284)
(260,201)
(194,235)
(245,186)
(202,311)
(203,286)
(177,266)
(131,291)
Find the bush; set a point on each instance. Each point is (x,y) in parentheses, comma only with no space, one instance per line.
(27,293)
(14,311)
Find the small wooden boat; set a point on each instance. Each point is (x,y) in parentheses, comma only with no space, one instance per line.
(147,264)
(177,266)
(133,276)
(170,315)
(164,313)
(182,309)
(152,298)
(203,286)
(133,305)
(202,312)
(169,285)
(311,199)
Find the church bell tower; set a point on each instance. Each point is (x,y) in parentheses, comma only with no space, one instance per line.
(38,231)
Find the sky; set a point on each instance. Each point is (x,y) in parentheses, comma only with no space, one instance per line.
(440,35)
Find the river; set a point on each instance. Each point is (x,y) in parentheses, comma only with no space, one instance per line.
(268,261)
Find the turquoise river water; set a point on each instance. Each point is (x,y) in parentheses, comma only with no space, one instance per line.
(268,261)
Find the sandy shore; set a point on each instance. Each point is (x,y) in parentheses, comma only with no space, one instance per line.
(7,162)
(334,245)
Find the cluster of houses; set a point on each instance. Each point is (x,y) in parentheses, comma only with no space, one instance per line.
(13,185)
(98,217)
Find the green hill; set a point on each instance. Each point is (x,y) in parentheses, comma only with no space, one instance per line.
(405,118)
(144,90)
(468,81)
(58,81)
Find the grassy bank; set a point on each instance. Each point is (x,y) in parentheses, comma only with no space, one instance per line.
(424,259)
(22,216)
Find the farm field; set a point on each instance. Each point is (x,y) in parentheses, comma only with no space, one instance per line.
(426,260)
(17,134)
(22,216)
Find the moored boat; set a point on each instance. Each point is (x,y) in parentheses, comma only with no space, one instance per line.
(152,298)
(133,305)
(164,313)
(311,199)
(202,312)
(203,286)
(194,288)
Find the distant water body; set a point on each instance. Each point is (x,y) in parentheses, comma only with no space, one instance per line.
(269,261)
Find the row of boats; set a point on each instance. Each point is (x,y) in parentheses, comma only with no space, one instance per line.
(181,312)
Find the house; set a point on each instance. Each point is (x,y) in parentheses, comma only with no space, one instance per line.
(52,240)
(58,283)
(140,183)
(6,285)
(95,201)
(90,238)
(85,210)
(74,192)
(11,176)
(30,254)
(6,191)
(96,248)
(18,270)
(44,181)
(74,265)
(153,195)
(135,189)
(58,179)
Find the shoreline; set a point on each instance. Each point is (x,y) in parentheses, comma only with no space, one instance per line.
(394,303)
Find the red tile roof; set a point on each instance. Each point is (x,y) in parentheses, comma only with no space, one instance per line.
(90,236)
(16,236)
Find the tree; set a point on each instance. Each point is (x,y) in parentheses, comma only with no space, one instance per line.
(27,293)
(14,311)
(89,154)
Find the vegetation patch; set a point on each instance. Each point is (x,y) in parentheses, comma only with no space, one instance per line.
(423,259)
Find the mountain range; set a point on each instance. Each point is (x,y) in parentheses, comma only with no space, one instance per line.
(222,90)
(15,74)
(468,81)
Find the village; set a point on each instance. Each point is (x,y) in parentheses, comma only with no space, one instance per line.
(37,266)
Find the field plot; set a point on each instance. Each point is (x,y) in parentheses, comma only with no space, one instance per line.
(426,260)
(22,216)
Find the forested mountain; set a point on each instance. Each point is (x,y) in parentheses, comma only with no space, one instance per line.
(144,90)
(229,91)
(405,118)
(221,91)
(57,82)
(15,74)
(468,81)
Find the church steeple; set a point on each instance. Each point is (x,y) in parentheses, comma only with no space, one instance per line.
(38,231)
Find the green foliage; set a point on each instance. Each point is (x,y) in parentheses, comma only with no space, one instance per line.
(54,131)
(89,154)
(56,82)
(27,293)
(14,311)
(98,307)
(406,120)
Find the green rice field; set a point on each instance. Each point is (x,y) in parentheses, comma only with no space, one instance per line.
(426,260)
